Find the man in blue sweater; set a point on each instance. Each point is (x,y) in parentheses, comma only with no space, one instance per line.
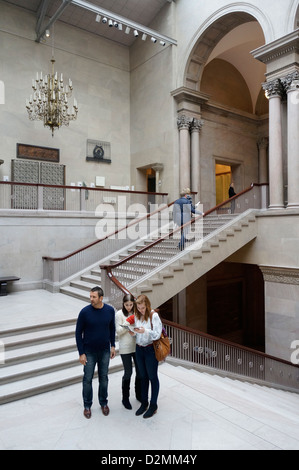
(95,338)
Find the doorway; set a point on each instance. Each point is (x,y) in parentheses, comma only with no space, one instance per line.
(223,175)
(151,184)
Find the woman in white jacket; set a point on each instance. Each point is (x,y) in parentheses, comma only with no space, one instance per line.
(127,348)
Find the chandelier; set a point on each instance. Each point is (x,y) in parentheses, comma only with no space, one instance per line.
(49,101)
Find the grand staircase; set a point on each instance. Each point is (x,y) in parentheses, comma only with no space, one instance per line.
(43,357)
(171,271)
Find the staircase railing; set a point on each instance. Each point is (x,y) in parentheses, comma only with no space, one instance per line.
(37,196)
(58,269)
(232,359)
(167,248)
(224,357)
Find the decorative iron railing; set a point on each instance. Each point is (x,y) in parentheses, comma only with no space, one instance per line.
(168,248)
(58,269)
(218,355)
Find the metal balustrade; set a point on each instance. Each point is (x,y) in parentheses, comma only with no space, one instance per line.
(220,356)
(56,270)
(167,249)
(29,196)
(60,269)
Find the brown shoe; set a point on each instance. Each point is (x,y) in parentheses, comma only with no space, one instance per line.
(105,410)
(87,413)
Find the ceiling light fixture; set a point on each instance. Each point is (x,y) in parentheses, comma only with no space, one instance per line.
(49,101)
(86,5)
(127,30)
(136,34)
(144,37)
(153,39)
(162,43)
(104,20)
(98,18)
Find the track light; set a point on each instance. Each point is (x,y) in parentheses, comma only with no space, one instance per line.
(98,18)
(143,37)
(104,20)
(127,30)
(115,24)
(162,43)
(153,39)
(110,23)
(136,34)
(120,26)
(47,33)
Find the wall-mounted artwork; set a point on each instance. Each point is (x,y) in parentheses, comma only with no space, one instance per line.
(98,151)
(32,152)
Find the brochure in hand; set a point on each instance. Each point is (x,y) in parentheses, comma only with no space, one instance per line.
(129,323)
(127,326)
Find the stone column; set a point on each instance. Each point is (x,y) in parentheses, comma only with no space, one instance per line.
(274,92)
(196,126)
(263,160)
(158,167)
(291,83)
(183,123)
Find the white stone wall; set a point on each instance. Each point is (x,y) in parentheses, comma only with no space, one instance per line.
(99,70)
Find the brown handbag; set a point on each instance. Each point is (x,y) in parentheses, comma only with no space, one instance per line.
(162,345)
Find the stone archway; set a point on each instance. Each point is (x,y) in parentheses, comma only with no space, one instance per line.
(207,42)
(215,50)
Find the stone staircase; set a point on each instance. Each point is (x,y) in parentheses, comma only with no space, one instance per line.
(222,236)
(40,359)
(44,357)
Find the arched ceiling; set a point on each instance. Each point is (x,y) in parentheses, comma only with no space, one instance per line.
(231,38)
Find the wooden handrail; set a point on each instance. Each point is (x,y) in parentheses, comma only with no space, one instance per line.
(205,335)
(81,188)
(109,267)
(130,224)
(226,342)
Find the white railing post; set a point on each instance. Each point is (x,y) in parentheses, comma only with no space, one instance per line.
(40,198)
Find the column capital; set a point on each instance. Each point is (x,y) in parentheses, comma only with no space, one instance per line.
(263,143)
(273,88)
(291,81)
(183,122)
(196,125)
(158,166)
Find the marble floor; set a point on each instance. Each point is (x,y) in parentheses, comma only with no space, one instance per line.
(196,411)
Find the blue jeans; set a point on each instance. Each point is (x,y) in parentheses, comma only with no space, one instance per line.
(148,372)
(102,359)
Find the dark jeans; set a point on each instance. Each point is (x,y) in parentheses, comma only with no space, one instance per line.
(102,359)
(148,370)
(128,365)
